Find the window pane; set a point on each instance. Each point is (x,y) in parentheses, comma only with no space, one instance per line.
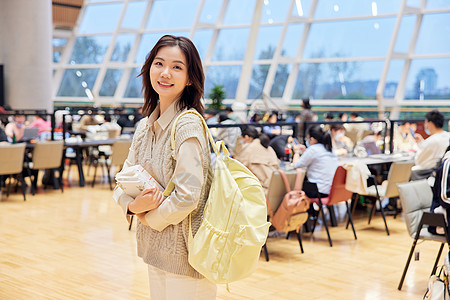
(110,82)
(280,80)
(275,11)
(333,9)
(393,76)
(405,33)
(133,15)
(75,82)
(239,12)
(134,86)
(149,40)
(228,76)
(101,18)
(172,14)
(268,38)
(201,41)
(90,49)
(122,48)
(337,39)
(259,75)
(429,79)
(301,8)
(292,40)
(58,47)
(339,80)
(434,33)
(210,12)
(413,3)
(225,50)
(432,4)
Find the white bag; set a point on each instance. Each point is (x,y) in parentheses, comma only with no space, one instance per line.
(438,286)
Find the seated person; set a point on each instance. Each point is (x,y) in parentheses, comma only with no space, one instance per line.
(113,129)
(318,158)
(228,134)
(403,138)
(430,150)
(272,131)
(341,143)
(258,156)
(41,122)
(279,143)
(441,189)
(16,129)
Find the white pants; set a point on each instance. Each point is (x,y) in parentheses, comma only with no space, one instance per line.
(168,286)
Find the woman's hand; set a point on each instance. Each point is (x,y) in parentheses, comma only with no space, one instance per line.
(299,148)
(147,200)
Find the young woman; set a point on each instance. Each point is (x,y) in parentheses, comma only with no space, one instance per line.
(173,81)
(318,158)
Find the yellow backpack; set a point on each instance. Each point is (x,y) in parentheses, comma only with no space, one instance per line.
(234,227)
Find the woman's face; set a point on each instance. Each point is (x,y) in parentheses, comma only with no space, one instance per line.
(169,74)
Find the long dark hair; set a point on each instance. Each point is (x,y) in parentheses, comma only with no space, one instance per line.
(192,93)
(321,136)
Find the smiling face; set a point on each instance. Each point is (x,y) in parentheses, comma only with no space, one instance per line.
(169,74)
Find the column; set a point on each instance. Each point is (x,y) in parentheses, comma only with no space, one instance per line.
(26,42)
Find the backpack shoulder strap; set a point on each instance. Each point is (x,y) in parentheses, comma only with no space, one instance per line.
(285,180)
(444,180)
(171,185)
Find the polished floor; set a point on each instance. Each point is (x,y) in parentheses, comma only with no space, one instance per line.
(76,245)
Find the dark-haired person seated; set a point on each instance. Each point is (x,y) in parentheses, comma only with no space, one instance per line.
(258,156)
(318,158)
(431,149)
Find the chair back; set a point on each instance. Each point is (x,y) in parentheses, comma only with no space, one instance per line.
(353,136)
(120,151)
(277,189)
(11,158)
(47,155)
(416,198)
(398,173)
(338,192)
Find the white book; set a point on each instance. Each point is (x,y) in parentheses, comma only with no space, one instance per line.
(133,180)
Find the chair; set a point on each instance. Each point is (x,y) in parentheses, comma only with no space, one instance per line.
(275,195)
(399,172)
(416,198)
(46,155)
(11,163)
(338,193)
(118,156)
(353,136)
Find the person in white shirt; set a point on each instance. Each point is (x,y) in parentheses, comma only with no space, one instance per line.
(319,159)
(431,149)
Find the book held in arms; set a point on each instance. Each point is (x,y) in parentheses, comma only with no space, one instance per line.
(133,180)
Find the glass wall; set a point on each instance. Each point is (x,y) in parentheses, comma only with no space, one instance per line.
(342,51)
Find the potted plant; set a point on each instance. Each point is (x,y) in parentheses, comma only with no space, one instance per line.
(217,95)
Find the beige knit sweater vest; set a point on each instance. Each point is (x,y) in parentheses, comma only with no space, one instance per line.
(167,250)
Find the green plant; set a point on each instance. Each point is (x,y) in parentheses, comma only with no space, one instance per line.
(217,95)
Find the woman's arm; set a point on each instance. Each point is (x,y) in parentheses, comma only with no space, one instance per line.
(188,179)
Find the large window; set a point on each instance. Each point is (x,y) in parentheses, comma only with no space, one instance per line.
(339,51)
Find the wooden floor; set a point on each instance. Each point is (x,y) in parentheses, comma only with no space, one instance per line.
(76,245)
